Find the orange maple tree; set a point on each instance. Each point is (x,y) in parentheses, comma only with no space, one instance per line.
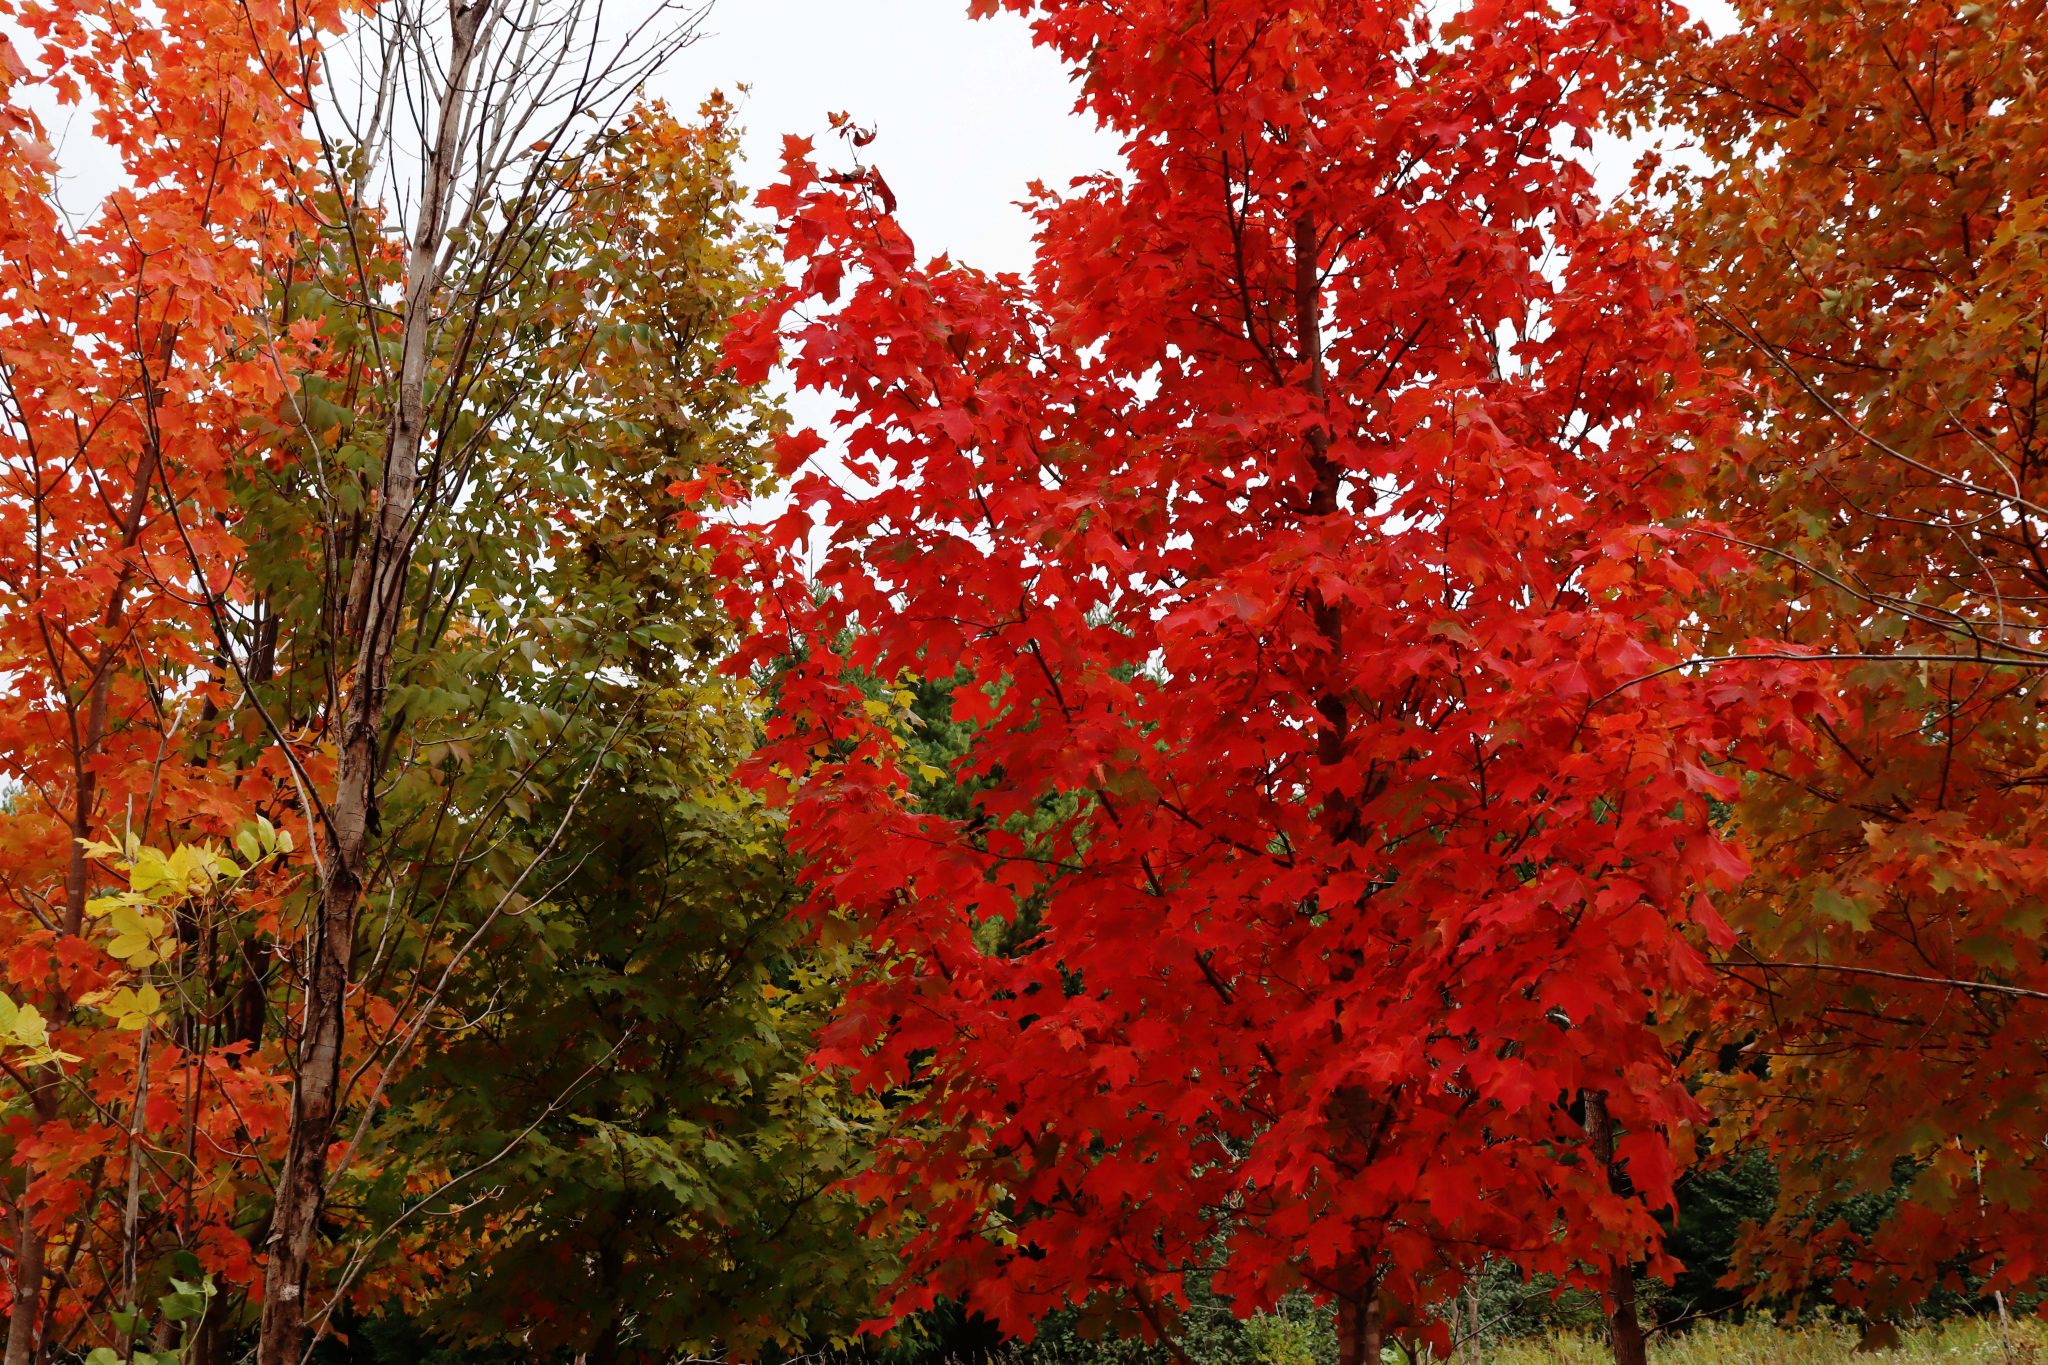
(140,365)
(1865,251)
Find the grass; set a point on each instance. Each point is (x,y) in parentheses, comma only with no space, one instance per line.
(1953,1343)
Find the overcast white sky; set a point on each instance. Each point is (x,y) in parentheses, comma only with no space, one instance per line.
(968,111)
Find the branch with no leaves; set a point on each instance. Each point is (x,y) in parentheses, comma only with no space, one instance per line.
(1845,969)
(461,954)
(1818,657)
(358,1258)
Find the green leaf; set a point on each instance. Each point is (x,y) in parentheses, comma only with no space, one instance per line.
(1843,909)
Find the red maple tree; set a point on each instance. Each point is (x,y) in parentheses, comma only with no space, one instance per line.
(1302,542)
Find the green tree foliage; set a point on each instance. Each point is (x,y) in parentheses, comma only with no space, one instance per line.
(622,1065)
(638,1057)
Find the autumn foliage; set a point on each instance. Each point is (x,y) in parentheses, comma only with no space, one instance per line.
(1361,723)
(1866,261)
(1306,533)
(138,378)
(196,453)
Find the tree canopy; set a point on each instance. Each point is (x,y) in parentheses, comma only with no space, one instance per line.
(1373,731)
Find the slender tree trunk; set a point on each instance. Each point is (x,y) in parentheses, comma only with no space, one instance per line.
(27,1281)
(131,1215)
(1361,1321)
(1624,1327)
(205,1340)
(371,619)
(605,1349)
(29,1240)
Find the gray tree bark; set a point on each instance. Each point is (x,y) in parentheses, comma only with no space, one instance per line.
(375,601)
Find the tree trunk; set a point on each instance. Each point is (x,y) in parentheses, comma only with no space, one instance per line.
(206,1340)
(1361,1328)
(611,1275)
(1624,1328)
(376,598)
(1361,1322)
(27,1282)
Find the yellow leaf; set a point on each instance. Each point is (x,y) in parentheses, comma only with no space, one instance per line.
(132,1008)
(29,1029)
(150,869)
